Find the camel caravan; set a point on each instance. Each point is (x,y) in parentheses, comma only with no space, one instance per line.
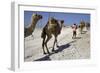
(52,27)
(82,25)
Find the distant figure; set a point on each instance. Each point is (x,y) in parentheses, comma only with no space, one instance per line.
(74,28)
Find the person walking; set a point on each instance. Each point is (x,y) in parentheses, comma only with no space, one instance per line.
(74,28)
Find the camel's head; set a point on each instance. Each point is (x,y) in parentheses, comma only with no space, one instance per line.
(53,20)
(62,21)
(37,16)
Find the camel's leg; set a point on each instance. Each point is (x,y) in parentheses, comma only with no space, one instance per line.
(48,38)
(81,30)
(54,45)
(43,45)
(55,42)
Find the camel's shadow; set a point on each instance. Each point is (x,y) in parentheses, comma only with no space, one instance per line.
(65,46)
(45,58)
(83,32)
(60,49)
(77,38)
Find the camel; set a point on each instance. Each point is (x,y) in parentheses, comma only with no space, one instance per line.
(81,26)
(28,31)
(52,27)
(87,25)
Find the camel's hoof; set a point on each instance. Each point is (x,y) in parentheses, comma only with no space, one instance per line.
(48,52)
(44,53)
(57,46)
(53,50)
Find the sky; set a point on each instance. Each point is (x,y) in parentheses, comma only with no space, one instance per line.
(69,18)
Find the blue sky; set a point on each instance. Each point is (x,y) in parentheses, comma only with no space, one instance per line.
(69,18)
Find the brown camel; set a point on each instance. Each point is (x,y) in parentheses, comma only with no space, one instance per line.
(52,27)
(28,31)
(81,26)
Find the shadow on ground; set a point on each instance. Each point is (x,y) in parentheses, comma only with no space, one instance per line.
(60,49)
(45,58)
(83,32)
(77,38)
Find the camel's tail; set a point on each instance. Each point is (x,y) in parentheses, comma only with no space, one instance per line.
(43,34)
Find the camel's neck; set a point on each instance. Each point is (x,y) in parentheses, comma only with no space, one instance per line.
(33,23)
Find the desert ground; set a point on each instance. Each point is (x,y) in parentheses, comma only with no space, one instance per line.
(69,48)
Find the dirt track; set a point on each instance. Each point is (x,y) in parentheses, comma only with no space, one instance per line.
(69,48)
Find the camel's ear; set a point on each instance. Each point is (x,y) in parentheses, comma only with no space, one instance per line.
(62,21)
